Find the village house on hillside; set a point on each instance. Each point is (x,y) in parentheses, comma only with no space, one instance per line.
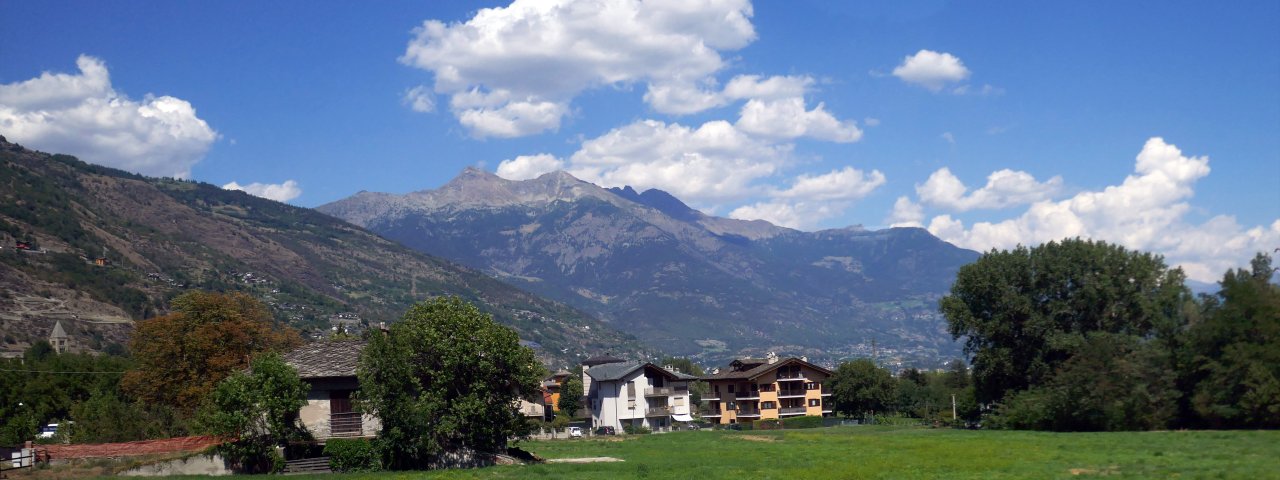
(621,394)
(753,389)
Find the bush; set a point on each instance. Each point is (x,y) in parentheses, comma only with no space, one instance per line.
(352,455)
(630,430)
(811,421)
(771,424)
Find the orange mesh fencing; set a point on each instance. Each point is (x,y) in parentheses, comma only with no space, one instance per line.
(127,449)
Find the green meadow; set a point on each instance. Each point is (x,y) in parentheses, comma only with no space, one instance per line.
(899,453)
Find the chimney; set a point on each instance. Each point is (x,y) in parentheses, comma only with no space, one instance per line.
(804,358)
(771,357)
(715,371)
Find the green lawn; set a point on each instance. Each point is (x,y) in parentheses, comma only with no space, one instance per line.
(902,453)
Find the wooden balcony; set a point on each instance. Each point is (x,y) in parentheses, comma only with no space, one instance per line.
(345,424)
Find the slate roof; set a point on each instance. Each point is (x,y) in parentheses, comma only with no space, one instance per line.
(758,370)
(601,360)
(58,332)
(616,371)
(326,359)
(612,371)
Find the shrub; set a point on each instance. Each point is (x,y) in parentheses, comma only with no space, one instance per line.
(352,455)
(630,430)
(811,421)
(771,424)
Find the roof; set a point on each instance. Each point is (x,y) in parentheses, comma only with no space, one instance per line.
(601,360)
(326,359)
(616,371)
(58,332)
(757,370)
(612,371)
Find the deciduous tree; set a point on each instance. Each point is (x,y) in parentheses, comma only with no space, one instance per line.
(860,387)
(183,355)
(259,411)
(445,379)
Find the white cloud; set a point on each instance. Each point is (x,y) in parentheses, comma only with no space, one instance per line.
(847,183)
(82,115)
(1145,212)
(543,53)
(871,122)
(948,137)
(525,167)
(812,198)
(772,88)
(420,99)
(906,214)
(712,163)
(280,192)
(1004,188)
(514,118)
(787,118)
(931,70)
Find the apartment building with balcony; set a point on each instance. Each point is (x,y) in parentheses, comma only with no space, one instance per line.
(621,394)
(751,389)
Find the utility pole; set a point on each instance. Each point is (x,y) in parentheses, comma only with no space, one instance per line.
(953,407)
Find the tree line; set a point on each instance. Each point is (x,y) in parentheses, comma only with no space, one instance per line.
(1081,335)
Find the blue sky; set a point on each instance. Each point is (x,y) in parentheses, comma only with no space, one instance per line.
(1151,124)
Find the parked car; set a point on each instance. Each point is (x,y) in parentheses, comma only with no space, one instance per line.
(575,432)
(606,431)
(48,431)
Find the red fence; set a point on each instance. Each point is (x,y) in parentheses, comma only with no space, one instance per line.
(127,449)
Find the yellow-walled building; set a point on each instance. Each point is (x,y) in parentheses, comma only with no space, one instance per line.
(753,389)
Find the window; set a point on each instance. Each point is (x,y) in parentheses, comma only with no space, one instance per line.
(813,402)
(811,385)
(679,401)
(730,388)
(767,387)
(768,405)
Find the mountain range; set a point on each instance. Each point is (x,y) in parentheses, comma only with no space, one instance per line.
(98,248)
(683,281)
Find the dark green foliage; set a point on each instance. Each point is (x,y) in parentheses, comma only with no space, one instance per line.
(1022,313)
(1113,382)
(860,387)
(802,422)
(352,455)
(260,411)
(48,389)
(106,417)
(1233,354)
(445,378)
(570,396)
(635,430)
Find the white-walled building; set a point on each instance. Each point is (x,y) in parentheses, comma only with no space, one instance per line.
(636,394)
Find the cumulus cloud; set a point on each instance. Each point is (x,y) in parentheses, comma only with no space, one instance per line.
(788,118)
(541,54)
(931,70)
(83,115)
(420,99)
(1004,188)
(525,167)
(906,214)
(280,192)
(812,198)
(1145,212)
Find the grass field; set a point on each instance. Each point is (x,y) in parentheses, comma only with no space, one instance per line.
(901,453)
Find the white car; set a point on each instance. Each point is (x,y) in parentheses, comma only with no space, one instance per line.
(48,431)
(575,432)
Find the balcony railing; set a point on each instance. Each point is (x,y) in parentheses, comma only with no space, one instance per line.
(345,424)
(658,391)
(790,393)
(791,376)
(792,410)
(752,412)
(747,395)
(658,412)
